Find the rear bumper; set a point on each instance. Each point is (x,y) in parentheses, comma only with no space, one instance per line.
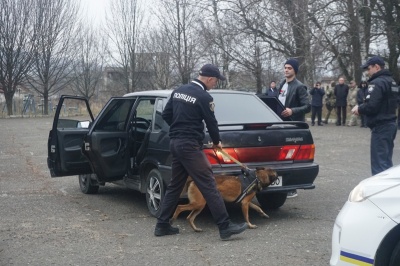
(294,176)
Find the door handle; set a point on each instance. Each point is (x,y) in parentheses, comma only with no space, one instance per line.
(121,147)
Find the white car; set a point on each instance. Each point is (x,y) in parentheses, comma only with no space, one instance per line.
(367,230)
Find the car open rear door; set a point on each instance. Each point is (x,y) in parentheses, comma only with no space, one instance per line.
(71,123)
(107,145)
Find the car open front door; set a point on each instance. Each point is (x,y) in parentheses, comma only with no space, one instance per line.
(107,145)
(71,123)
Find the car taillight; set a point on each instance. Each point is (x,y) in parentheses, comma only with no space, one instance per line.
(288,152)
(306,152)
(262,154)
(297,152)
(211,156)
(216,157)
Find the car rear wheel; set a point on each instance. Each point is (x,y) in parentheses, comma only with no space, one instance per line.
(87,185)
(154,192)
(395,258)
(271,200)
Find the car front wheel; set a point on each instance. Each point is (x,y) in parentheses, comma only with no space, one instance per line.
(154,192)
(271,200)
(87,185)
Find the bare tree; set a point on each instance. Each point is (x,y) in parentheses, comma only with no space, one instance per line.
(343,29)
(161,64)
(282,26)
(124,26)
(297,11)
(88,67)
(55,22)
(16,45)
(218,38)
(178,22)
(247,60)
(389,13)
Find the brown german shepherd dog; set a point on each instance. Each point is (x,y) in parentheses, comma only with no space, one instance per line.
(230,188)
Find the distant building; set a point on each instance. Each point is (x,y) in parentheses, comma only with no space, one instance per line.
(326,81)
(149,68)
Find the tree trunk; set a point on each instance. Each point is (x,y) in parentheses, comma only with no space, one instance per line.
(9,95)
(355,41)
(298,12)
(46,102)
(393,36)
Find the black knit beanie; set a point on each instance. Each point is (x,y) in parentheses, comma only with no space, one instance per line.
(293,62)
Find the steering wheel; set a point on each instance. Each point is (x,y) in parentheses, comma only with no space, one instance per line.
(141,121)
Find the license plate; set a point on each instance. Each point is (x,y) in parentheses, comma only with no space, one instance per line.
(278,182)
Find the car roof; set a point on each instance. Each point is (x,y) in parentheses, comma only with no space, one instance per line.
(167,93)
(156,93)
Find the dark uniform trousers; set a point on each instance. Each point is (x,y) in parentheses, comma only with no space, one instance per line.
(341,112)
(382,144)
(188,158)
(316,110)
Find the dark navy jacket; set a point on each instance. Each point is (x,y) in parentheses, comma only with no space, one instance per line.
(362,94)
(317,95)
(381,102)
(273,92)
(341,91)
(185,111)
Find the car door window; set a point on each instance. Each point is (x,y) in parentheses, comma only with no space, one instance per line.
(115,116)
(141,128)
(143,114)
(158,120)
(74,114)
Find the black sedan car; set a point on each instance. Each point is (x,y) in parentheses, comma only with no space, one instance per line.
(128,143)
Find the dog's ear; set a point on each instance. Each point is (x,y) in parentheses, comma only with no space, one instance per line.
(260,168)
(272,172)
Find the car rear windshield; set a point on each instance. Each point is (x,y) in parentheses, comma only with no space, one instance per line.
(237,108)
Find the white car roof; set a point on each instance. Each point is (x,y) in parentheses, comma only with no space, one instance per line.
(167,93)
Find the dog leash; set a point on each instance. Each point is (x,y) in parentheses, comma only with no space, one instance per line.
(246,170)
(230,157)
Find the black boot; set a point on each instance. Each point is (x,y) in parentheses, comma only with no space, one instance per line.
(165,230)
(232,229)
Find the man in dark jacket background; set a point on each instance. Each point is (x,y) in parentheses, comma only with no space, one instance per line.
(341,91)
(316,103)
(272,91)
(380,109)
(294,96)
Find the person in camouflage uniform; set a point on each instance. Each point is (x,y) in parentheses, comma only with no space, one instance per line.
(352,101)
(330,101)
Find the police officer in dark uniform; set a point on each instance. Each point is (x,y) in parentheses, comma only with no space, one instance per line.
(185,112)
(380,109)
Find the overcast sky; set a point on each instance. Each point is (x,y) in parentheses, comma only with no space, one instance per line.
(94,9)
